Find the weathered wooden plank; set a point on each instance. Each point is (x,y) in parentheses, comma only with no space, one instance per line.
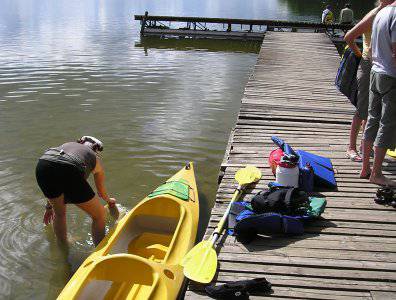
(309,262)
(383,295)
(326,283)
(358,255)
(323,271)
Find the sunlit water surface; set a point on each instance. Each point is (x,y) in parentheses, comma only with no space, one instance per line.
(71,68)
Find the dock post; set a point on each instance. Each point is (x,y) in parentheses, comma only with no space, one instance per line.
(143,23)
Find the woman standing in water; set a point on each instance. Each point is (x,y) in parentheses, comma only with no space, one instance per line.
(62,174)
(364,28)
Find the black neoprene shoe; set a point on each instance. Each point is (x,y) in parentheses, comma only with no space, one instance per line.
(239,289)
(385,196)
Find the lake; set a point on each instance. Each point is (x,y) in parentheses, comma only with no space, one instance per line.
(73,68)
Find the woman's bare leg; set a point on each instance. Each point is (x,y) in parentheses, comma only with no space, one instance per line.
(353,134)
(376,176)
(59,207)
(97,213)
(366,169)
(354,131)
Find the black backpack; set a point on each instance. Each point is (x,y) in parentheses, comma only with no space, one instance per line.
(284,200)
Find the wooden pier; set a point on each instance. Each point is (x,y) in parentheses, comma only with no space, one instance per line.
(226,28)
(351,252)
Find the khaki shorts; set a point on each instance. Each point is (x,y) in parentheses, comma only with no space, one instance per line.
(363,81)
(381,123)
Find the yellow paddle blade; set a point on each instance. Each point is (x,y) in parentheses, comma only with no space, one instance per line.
(200,263)
(392,153)
(249,174)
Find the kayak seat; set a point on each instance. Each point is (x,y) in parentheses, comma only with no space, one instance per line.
(111,278)
(152,232)
(153,246)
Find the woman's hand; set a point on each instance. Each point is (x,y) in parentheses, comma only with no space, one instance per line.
(48,216)
(113,209)
(111,202)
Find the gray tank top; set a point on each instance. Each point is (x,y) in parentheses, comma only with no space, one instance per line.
(72,153)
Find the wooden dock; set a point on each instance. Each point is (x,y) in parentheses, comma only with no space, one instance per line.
(237,29)
(351,252)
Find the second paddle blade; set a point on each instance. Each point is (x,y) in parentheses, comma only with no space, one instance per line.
(200,264)
(249,174)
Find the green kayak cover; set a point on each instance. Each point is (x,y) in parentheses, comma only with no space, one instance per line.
(178,189)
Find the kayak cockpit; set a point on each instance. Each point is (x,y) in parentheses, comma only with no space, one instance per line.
(113,278)
(151,230)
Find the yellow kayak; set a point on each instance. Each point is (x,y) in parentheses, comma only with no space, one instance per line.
(140,258)
(392,153)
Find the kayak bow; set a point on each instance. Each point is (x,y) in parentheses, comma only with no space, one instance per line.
(140,258)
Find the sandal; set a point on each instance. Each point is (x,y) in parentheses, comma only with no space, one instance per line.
(354,156)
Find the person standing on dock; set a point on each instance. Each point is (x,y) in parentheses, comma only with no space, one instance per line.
(327,16)
(381,124)
(62,174)
(364,28)
(346,15)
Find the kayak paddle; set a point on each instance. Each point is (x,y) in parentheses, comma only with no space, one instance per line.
(392,153)
(200,263)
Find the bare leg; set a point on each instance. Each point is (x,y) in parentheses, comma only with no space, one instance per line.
(367,146)
(97,213)
(355,126)
(376,176)
(364,123)
(352,150)
(59,207)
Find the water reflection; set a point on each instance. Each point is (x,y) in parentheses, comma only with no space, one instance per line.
(209,45)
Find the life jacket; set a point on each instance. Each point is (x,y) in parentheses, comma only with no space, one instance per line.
(245,224)
(322,167)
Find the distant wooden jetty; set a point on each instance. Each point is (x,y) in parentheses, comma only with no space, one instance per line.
(351,252)
(241,29)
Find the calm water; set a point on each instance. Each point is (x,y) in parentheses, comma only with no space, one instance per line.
(69,68)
